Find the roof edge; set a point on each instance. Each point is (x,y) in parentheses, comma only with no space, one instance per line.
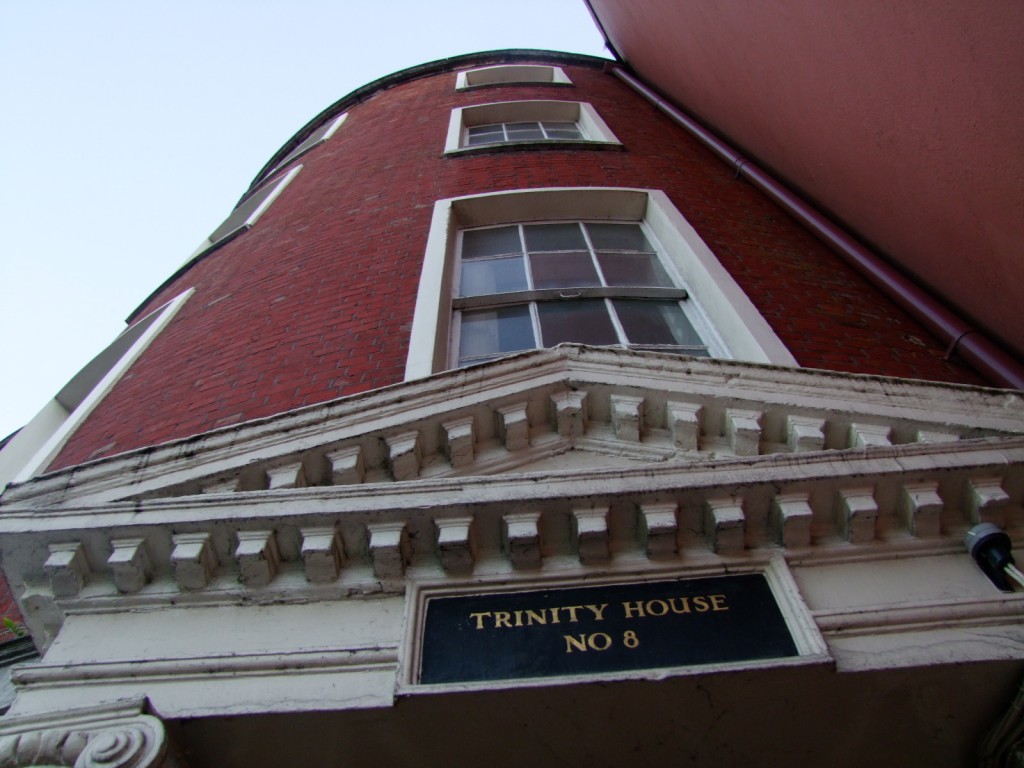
(361,94)
(429,69)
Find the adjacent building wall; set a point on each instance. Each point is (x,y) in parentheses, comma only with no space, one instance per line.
(904,120)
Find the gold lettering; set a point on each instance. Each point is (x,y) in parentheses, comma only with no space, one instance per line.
(657,607)
(632,609)
(572,643)
(684,604)
(636,608)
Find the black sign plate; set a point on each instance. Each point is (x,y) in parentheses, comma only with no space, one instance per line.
(609,628)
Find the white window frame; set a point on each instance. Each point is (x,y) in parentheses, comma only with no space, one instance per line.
(247,213)
(593,128)
(742,330)
(32,449)
(510,74)
(315,139)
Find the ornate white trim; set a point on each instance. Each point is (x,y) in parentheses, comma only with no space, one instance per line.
(716,408)
(228,666)
(111,736)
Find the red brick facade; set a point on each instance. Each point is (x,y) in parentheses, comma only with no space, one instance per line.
(316,300)
(8,611)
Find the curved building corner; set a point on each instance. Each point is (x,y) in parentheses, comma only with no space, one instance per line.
(499,406)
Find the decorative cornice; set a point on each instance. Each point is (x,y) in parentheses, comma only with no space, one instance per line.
(511,413)
(593,456)
(307,543)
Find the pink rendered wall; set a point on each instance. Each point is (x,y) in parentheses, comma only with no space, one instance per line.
(906,120)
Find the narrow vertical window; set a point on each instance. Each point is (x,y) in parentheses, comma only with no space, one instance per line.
(37,443)
(246,213)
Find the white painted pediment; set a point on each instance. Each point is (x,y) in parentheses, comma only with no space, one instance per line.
(566,409)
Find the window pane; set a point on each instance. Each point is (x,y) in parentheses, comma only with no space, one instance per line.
(554,237)
(481,276)
(618,237)
(523,131)
(563,270)
(658,322)
(495,331)
(484,134)
(634,269)
(492,128)
(490,242)
(562,131)
(583,322)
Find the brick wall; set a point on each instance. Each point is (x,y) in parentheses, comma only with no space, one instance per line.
(316,301)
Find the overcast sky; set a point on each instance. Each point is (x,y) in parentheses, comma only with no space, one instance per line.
(131,128)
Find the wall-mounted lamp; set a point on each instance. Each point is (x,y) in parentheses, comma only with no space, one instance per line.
(992,549)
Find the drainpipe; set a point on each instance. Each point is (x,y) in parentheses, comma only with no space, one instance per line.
(971,344)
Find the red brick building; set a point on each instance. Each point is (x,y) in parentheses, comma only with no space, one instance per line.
(315,425)
(317,300)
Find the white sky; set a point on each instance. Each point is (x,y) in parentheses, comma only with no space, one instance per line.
(131,128)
